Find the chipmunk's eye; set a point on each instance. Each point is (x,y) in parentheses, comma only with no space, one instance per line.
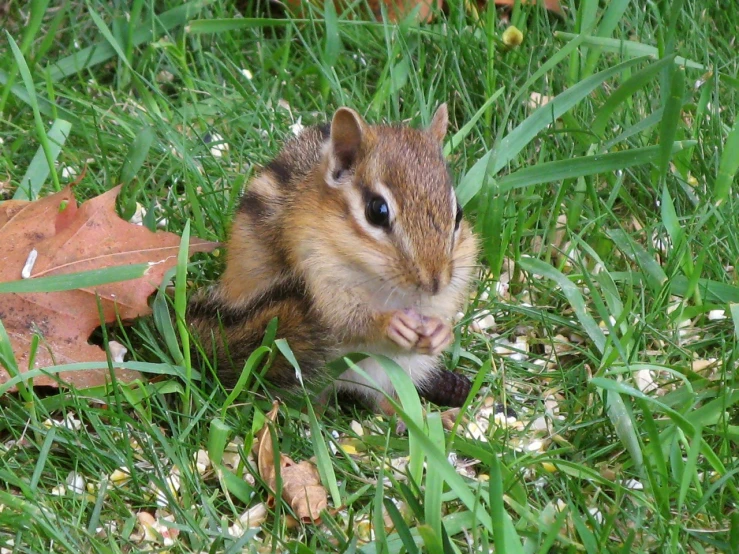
(377,212)
(458,219)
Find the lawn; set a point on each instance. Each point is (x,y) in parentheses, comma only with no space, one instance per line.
(597,161)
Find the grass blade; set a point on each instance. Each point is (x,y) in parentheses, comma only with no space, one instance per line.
(36,16)
(623,423)
(728,166)
(586,165)
(638,127)
(690,475)
(38,169)
(573,295)
(210,26)
(434,484)
(103,51)
(460,135)
(711,290)
(426,447)
(734,310)
(670,119)
(180,307)
(612,15)
(323,459)
(504,532)
(517,139)
(137,154)
(401,527)
(74,281)
(46,107)
(103,28)
(408,397)
(630,87)
(656,276)
(31,91)
(628,48)
(42,458)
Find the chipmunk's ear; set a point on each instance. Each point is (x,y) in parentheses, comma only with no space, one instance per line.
(439,123)
(347,131)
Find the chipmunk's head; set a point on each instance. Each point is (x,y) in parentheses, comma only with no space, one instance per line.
(394,189)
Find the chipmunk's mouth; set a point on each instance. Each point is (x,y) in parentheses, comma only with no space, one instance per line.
(401,298)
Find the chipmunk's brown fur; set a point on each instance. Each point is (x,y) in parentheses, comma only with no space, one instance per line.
(353,239)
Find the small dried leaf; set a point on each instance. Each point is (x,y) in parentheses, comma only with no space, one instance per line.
(301,483)
(302,489)
(265,449)
(448,417)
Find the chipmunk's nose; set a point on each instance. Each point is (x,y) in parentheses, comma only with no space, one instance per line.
(434,283)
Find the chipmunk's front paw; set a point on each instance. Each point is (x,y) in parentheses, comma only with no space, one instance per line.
(425,335)
(435,336)
(404,329)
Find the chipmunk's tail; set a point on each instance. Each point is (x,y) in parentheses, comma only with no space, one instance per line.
(446,388)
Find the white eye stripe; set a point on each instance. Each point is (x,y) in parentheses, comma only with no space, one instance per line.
(385,192)
(357,208)
(399,234)
(454,205)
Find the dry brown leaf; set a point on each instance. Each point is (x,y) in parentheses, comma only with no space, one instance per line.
(69,239)
(449,418)
(553,6)
(301,483)
(302,489)
(264,450)
(398,9)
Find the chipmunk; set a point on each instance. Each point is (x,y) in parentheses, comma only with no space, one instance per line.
(353,238)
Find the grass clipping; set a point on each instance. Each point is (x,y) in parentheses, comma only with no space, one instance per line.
(301,483)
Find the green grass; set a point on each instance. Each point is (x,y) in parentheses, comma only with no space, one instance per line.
(614,209)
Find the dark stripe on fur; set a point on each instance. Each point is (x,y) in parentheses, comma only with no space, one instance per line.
(207,305)
(325,130)
(202,305)
(254,205)
(286,290)
(282,172)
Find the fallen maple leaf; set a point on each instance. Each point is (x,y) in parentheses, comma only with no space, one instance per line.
(301,484)
(551,5)
(397,9)
(69,239)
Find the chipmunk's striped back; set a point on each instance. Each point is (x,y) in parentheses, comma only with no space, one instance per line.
(257,257)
